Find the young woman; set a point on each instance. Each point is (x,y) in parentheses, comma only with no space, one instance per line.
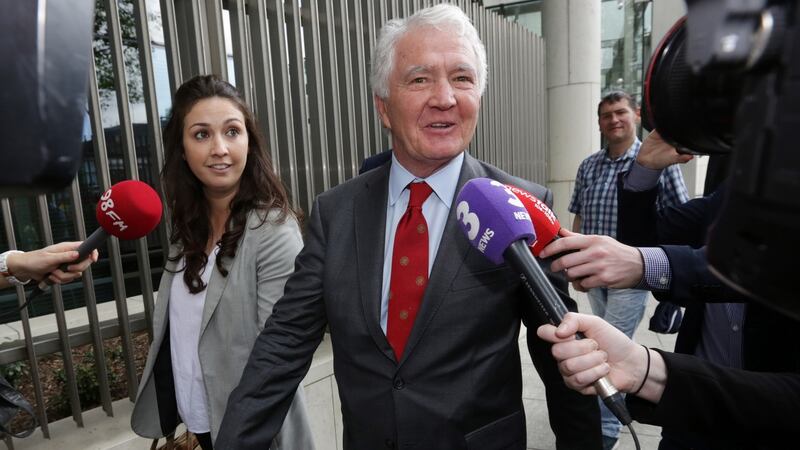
(233,240)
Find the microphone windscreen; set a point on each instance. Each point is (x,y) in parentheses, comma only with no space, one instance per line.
(492,217)
(545,223)
(129,210)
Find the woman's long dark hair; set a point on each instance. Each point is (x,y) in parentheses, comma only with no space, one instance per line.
(259,187)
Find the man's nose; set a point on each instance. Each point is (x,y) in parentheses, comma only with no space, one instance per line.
(443,95)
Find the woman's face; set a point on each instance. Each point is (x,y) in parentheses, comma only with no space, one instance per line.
(215,145)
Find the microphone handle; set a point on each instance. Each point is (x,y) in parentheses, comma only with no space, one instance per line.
(544,295)
(94,240)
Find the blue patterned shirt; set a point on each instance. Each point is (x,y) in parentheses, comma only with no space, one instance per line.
(595,194)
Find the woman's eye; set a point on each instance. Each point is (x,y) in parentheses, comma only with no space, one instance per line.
(200,135)
(233,132)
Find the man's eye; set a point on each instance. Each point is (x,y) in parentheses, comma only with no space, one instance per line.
(463,79)
(418,80)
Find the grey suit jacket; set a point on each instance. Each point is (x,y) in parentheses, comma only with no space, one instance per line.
(235,310)
(458,384)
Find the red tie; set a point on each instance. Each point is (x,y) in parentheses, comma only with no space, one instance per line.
(409,269)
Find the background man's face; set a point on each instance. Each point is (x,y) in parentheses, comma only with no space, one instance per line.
(433,102)
(618,121)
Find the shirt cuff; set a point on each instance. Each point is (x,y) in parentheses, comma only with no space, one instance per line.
(641,178)
(657,272)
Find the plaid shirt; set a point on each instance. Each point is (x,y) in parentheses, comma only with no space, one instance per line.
(595,194)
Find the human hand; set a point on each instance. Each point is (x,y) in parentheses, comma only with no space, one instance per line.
(45,262)
(600,261)
(655,153)
(604,352)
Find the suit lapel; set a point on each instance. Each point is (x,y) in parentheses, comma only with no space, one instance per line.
(450,256)
(369,217)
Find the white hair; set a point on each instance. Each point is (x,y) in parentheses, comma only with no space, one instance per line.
(442,17)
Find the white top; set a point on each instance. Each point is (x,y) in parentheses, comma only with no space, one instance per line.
(185,319)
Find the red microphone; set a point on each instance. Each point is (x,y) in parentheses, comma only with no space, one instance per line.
(545,223)
(128,210)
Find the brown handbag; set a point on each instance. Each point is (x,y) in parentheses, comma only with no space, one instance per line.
(184,441)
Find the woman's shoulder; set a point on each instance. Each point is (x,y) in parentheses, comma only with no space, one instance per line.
(271,217)
(271,224)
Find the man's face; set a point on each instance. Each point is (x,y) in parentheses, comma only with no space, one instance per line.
(432,107)
(618,121)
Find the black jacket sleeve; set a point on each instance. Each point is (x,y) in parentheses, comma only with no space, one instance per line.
(729,404)
(640,225)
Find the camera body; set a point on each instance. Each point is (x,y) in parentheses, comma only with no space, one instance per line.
(727,80)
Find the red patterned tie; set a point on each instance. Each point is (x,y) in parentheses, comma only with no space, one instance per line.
(409,269)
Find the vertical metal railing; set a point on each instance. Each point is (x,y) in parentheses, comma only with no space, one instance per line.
(155,143)
(303,67)
(131,172)
(30,350)
(299,119)
(317,100)
(263,78)
(61,321)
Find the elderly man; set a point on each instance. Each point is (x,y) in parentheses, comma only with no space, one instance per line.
(424,329)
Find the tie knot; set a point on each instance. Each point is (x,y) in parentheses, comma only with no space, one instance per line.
(419,193)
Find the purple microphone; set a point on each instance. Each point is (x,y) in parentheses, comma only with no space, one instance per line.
(492,217)
(497,224)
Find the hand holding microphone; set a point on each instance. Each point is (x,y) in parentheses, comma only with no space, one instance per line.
(47,263)
(595,260)
(497,224)
(128,210)
(547,229)
(592,260)
(607,353)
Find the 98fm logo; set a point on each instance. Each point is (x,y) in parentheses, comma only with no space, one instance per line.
(107,206)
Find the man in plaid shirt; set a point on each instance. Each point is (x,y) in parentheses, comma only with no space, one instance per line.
(594,203)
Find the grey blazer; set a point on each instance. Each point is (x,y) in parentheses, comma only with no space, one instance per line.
(458,384)
(236,308)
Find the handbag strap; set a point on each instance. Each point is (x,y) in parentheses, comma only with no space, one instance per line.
(14,397)
(169,445)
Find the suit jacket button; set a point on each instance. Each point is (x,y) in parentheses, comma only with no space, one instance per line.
(389,443)
(399,383)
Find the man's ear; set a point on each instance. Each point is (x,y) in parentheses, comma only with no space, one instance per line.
(380,105)
(638,115)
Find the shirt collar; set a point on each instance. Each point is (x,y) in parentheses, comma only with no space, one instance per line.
(629,154)
(443,181)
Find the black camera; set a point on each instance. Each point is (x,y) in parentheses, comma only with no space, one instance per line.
(726,79)
(45,48)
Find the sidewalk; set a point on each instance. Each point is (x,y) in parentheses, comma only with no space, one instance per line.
(540,437)
(104,433)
